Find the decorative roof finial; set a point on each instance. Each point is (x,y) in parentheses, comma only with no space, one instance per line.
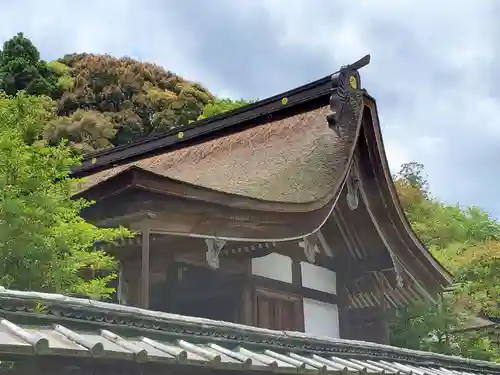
(345,84)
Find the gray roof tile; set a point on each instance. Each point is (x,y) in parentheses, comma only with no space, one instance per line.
(78,329)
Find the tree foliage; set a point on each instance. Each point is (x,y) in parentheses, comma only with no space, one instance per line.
(84,130)
(91,102)
(103,101)
(44,243)
(22,69)
(467,242)
(138,98)
(221,105)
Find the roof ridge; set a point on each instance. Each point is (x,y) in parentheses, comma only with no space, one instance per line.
(286,101)
(290,97)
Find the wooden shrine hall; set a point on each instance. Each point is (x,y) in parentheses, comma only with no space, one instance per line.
(281,215)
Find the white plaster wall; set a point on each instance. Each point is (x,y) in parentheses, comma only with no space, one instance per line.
(273,266)
(318,278)
(321,319)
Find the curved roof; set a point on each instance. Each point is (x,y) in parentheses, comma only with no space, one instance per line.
(272,171)
(292,160)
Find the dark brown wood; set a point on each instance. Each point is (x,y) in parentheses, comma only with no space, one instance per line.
(278,310)
(298,308)
(145,265)
(248,296)
(292,289)
(378,257)
(299,322)
(177,210)
(344,261)
(384,316)
(368,230)
(195,256)
(109,188)
(343,304)
(203,292)
(383,199)
(296,272)
(368,324)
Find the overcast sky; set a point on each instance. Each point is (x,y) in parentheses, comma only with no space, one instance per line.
(434,72)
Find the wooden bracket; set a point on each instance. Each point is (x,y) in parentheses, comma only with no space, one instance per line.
(213,250)
(353,188)
(310,246)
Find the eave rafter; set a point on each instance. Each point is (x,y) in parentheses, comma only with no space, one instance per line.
(396,263)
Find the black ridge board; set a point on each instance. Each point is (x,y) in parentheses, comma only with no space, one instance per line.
(298,100)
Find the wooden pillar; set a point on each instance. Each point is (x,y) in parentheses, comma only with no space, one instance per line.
(386,329)
(384,316)
(248,296)
(144,290)
(296,272)
(343,304)
(299,306)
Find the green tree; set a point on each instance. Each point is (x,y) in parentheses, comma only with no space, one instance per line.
(477,273)
(221,105)
(44,243)
(426,326)
(412,173)
(22,69)
(138,98)
(467,242)
(85,131)
(65,81)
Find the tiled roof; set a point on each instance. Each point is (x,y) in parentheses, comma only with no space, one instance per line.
(62,341)
(55,326)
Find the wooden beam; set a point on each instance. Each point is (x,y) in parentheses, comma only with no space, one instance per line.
(356,268)
(350,266)
(144,290)
(297,254)
(290,288)
(189,291)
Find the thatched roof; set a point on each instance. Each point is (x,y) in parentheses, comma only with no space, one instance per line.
(296,159)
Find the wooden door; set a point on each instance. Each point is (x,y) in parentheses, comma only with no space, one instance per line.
(278,311)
